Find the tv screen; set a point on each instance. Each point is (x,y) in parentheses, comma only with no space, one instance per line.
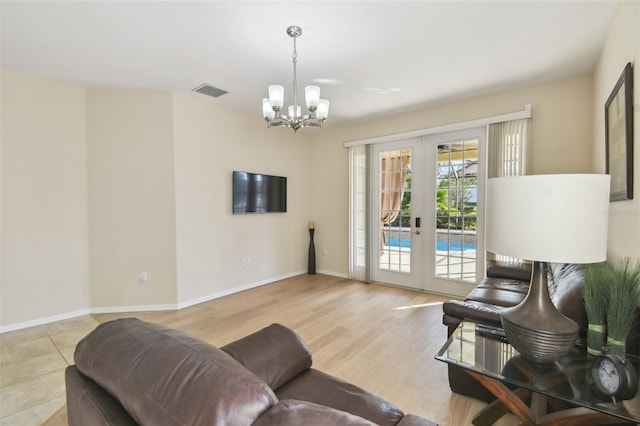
(258,193)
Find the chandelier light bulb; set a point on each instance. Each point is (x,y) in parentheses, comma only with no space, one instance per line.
(276,95)
(323,109)
(267,109)
(295,111)
(312,95)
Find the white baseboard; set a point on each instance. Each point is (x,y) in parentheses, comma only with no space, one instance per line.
(139,308)
(333,274)
(164,307)
(43,321)
(217,295)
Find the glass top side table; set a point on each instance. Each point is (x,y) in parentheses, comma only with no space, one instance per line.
(566,385)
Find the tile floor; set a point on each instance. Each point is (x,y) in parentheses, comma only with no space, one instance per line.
(32,367)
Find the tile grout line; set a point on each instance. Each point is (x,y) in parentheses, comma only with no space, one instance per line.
(57,348)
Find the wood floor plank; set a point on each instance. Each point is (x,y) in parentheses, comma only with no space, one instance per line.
(382,338)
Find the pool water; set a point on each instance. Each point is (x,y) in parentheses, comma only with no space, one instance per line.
(440,245)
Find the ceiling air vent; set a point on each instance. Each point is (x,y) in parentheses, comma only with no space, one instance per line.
(208,90)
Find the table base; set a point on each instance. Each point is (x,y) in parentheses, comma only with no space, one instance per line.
(513,401)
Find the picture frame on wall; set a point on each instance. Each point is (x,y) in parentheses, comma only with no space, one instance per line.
(618,119)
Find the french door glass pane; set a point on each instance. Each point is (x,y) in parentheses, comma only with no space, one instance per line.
(395,211)
(456,207)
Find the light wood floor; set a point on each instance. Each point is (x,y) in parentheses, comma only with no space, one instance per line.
(379,337)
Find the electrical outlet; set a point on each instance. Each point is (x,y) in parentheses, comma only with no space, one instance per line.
(325,252)
(142,277)
(248,261)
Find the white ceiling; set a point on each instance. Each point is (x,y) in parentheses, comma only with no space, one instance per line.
(369,58)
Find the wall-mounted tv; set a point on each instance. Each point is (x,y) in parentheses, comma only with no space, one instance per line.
(258,193)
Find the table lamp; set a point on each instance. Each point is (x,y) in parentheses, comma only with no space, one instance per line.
(546,218)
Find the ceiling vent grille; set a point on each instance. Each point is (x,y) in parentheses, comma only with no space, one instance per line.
(208,90)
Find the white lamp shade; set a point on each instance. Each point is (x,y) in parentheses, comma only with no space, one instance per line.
(267,110)
(323,109)
(312,95)
(276,95)
(548,218)
(294,111)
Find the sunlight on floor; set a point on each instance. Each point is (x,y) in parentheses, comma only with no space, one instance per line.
(422,305)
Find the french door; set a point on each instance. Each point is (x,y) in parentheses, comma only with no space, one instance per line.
(427,212)
(454,255)
(397,200)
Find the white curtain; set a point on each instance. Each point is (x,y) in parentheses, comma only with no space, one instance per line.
(358,230)
(507,156)
(507,148)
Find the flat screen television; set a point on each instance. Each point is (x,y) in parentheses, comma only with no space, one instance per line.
(258,193)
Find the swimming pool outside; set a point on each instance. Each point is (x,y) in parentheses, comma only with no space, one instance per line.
(440,245)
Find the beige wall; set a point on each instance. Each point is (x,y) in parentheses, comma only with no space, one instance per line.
(561,140)
(131,197)
(44,199)
(99,185)
(211,142)
(622,46)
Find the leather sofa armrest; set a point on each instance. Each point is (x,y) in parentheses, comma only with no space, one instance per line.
(324,389)
(472,310)
(293,412)
(90,404)
(275,354)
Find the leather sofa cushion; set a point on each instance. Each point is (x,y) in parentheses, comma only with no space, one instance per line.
(566,289)
(517,271)
(163,376)
(276,354)
(293,412)
(321,388)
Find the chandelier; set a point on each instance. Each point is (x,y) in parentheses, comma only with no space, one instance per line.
(271,106)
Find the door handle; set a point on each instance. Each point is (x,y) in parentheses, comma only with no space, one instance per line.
(417,232)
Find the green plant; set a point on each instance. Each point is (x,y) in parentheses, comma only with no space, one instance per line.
(596,279)
(624,291)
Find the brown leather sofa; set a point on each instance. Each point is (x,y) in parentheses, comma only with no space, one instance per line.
(507,285)
(130,372)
